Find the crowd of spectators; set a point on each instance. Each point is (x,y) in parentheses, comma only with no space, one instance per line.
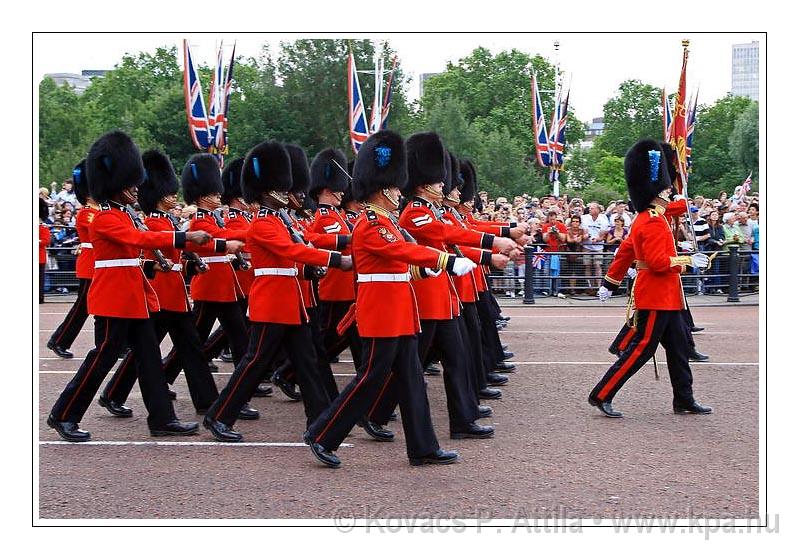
(578,239)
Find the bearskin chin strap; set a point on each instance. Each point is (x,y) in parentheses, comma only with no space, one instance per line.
(431,190)
(394,201)
(279,197)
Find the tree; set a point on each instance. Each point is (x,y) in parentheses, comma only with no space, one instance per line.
(713,168)
(62,137)
(744,140)
(631,115)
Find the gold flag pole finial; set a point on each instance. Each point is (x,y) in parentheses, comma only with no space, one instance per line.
(685,43)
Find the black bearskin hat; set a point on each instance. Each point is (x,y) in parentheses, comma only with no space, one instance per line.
(79,184)
(672,159)
(267,167)
(300,175)
(114,164)
(200,177)
(448,174)
(160,182)
(646,173)
(468,190)
(44,210)
(426,161)
(348,190)
(380,163)
(232,180)
(325,173)
(454,176)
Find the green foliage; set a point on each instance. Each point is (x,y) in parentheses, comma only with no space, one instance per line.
(744,140)
(713,167)
(631,115)
(481,106)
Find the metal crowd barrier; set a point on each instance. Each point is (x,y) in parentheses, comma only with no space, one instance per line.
(729,275)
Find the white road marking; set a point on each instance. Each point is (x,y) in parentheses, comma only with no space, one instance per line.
(184,443)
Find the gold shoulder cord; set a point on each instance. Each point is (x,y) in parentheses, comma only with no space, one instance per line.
(630,312)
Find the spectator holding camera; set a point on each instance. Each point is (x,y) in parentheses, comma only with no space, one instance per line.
(554,235)
(596,226)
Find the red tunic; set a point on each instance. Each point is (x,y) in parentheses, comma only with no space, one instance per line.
(337,285)
(278,298)
(44,241)
(219,283)
(387,309)
(169,286)
(237,219)
(437,297)
(123,291)
(84,266)
(467,285)
(658,283)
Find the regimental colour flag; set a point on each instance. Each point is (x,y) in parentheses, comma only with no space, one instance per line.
(677,135)
(359,131)
(540,141)
(195,107)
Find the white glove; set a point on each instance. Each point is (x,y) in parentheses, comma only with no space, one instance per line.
(699,260)
(686,245)
(603,293)
(632,273)
(678,197)
(432,272)
(462,266)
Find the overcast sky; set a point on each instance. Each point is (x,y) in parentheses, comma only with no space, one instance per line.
(597,63)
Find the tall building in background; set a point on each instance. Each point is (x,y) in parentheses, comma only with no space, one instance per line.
(423,78)
(744,70)
(78,82)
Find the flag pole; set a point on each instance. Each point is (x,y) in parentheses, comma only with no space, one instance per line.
(556,92)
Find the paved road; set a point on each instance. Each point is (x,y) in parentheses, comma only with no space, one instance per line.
(553,455)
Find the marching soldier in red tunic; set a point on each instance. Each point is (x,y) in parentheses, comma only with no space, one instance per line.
(657,292)
(157,198)
(386,312)
(66,333)
(439,305)
(120,297)
(215,293)
(277,311)
(44,242)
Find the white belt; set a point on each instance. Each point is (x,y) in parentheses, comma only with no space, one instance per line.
(86,246)
(405,277)
(113,263)
(276,272)
(177,267)
(221,259)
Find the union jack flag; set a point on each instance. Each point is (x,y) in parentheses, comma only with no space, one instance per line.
(666,109)
(538,258)
(216,116)
(690,120)
(195,107)
(539,126)
(387,98)
(559,136)
(359,131)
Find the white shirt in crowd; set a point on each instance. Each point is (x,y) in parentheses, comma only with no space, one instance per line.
(596,228)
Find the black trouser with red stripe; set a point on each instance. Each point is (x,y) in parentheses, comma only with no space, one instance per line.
(265,341)
(625,335)
(287,369)
(387,362)
(68,330)
(218,340)
(111,335)
(230,317)
(186,342)
(653,327)
(462,400)
(492,347)
(471,335)
(330,314)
